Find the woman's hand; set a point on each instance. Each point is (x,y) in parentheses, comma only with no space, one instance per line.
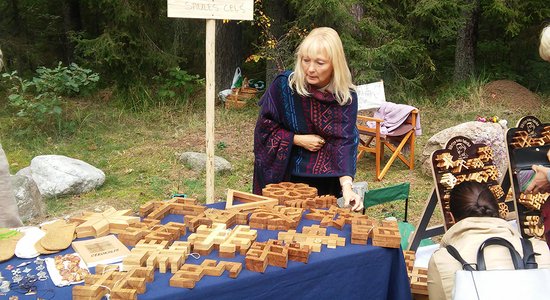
(310,142)
(540,183)
(352,199)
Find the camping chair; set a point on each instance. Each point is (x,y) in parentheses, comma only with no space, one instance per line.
(388,194)
(372,140)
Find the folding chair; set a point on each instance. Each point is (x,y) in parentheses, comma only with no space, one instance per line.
(373,140)
(393,193)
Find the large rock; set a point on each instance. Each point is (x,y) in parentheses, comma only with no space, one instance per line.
(197,161)
(28,197)
(491,134)
(58,175)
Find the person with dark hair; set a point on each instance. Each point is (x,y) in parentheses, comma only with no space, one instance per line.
(306,130)
(475,210)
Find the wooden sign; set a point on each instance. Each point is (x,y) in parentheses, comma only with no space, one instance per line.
(211,9)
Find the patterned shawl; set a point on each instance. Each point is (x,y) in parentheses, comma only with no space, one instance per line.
(284,113)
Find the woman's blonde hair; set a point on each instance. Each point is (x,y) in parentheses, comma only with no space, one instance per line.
(544,49)
(324,40)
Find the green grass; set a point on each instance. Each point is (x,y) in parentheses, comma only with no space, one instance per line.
(138,149)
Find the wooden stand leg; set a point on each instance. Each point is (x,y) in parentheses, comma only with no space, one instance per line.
(422,231)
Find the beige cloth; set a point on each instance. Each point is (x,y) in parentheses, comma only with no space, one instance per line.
(466,236)
(9,213)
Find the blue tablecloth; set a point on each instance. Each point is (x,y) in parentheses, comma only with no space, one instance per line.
(350,272)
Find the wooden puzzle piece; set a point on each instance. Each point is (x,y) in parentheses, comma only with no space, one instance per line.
(459,165)
(137,231)
(497,191)
(503,210)
(409,257)
(240,239)
(361,230)
(386,234)
(492,172)
(448,180)
(206,239)
(170,232)
(445,161)
(252,201)
(275,218)
(157,256)
(120,285)
(334,216)
(260,255)
(419,281)
(172,258)
(324,201)
(533,201)
(474,163)
(521,139)
(177,206)
(190,274)
(485,154)
(312,236)
(533,226)
(101,224)
(289,191)
(211,215)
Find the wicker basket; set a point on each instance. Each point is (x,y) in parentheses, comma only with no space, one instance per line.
(245,93)
(233,102)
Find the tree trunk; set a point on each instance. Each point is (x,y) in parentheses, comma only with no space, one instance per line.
(466,43)
(278,11)
(16,17)
(71,23)
(229,54)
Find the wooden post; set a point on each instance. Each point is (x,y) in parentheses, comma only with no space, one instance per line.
(210,109)
(211,10)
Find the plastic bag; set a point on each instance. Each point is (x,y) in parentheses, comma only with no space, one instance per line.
(237,79)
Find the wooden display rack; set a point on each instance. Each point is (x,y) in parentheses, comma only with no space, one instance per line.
(120,285)
(313,237)
(528,144)
(423,231)
(91,224)
(289,192)
(177,205)
(462,160)
(190,274)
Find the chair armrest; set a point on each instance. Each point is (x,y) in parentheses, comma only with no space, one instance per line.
(369,119)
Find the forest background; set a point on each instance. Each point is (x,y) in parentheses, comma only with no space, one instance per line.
(119,85)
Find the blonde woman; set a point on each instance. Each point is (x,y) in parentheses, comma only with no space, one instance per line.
(306,128)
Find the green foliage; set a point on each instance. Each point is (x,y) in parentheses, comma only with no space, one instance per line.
(177,85)
(38,102)
(66,81)
(35,109)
